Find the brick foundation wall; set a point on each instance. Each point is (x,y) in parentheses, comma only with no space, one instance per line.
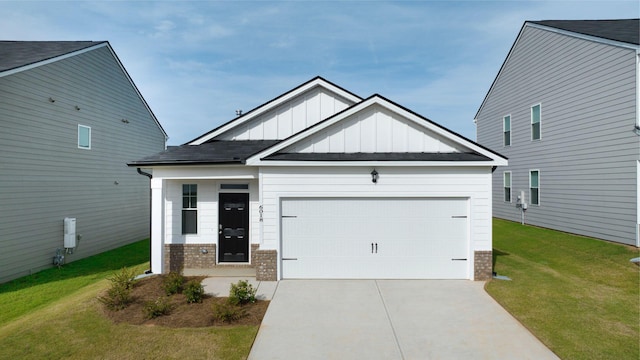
(178,257)
(266,263)
(483,265)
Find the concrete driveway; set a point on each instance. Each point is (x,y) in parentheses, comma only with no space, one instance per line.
(390,319)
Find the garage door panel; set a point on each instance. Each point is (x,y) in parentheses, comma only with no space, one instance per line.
(411,238)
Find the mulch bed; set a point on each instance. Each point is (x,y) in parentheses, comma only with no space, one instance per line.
(183,314)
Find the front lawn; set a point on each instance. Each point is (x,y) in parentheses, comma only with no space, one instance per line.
(579,296)
(55,315)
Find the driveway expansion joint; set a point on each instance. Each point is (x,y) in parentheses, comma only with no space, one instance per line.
(386,311)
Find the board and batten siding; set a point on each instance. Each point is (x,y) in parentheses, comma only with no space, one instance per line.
(588,152)
(375,130)
(290,117)
(45,177)
(473,183)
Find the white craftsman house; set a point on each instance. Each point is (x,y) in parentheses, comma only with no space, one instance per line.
(320,183)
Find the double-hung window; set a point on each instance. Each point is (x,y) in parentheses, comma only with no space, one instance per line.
(534,187)
(189,209)
(507,186)
(506,130)
(536,119)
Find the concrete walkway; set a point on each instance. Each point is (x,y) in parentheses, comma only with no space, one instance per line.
(390,319)
(219,286)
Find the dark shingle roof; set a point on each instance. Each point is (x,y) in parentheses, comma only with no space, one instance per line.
(625,30)
(15,54)
(378,157)
(213,152)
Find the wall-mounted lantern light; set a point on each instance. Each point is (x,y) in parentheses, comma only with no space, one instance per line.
(374,176)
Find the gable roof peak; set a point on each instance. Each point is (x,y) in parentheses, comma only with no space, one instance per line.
(308,85)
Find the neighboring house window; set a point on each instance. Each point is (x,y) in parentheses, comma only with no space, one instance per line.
(84,137)
(189,209)
(534,187)
(535,122)
(506,130)
(507,186)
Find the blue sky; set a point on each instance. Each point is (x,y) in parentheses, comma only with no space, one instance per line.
(196,62)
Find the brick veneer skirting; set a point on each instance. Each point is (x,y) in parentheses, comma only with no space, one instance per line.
(483,265)
(266,262)
(178,257)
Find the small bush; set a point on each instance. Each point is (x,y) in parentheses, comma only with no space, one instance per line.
(227,312)
(124,278)
(194,291)
(118,295)
(159,307)
(172,283)
(242,293)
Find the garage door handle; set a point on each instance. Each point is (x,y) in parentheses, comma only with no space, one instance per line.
(458,259)
(289,259)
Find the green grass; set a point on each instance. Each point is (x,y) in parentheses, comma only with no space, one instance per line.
(579,296)
(33,292)
(54,314)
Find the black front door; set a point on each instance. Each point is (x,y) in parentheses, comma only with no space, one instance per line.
(233,238)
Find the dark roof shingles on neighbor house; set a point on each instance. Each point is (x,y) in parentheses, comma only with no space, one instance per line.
(625,30)
(15,54)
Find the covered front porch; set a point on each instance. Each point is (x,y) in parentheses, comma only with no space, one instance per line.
(207,219)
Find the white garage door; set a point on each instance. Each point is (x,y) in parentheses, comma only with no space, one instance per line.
(381,238)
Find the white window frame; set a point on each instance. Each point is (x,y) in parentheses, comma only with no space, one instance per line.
(538,187)
(504,186)
(504,130)
(80,146)
(539,122)
(190,209)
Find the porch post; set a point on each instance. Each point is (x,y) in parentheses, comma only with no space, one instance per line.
(157,235)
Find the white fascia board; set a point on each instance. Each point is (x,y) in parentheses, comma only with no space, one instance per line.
(273,104)
(206,172)
(377,100)
(267,163)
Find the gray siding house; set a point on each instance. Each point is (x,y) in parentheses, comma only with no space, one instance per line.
(70,119)
(564,109)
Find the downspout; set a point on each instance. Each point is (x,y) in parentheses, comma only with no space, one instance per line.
(150,204)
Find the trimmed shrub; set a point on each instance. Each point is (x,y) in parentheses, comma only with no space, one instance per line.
(227,312)
(159,307)
(194,291)
(172,283)
(118,295)
(242,293)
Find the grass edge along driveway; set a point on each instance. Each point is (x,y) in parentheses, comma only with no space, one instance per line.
(54,314)
(579,296)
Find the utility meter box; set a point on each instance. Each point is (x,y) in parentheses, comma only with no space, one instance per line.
(69,233)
